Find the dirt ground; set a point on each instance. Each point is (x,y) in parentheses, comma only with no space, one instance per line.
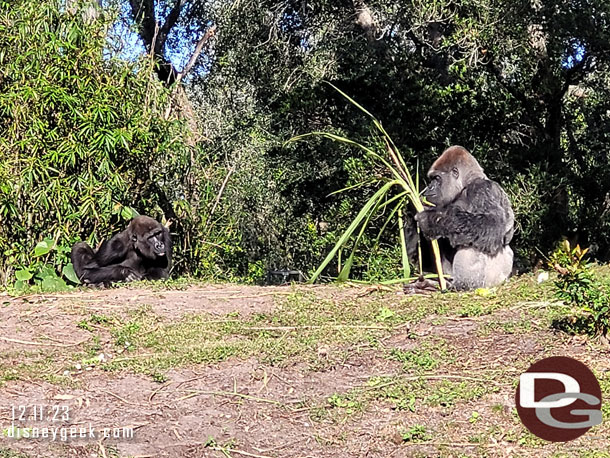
(246,406)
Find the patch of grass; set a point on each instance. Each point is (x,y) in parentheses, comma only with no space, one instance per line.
(401,393)
(295,330)
(36,364)
(84,324)
(299,326)
(94,347)
(523,325)
(8,453)
(416,433)
(385,314)
(420,307)
(126,334)
(497,409)
(318,413)
(448,393)
(224,448)
(337,330)
(472,309)
(519,290)
(527,439)
(339,407)
(604,384)
(88,323)
(428,356)
(414,359)
(100,319)
(159,378)
(592,454)
(474,417)
(406,403)
(345,402)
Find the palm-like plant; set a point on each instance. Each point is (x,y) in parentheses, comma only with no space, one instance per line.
(399,177)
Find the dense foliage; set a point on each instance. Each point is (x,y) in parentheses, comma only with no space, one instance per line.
(522,84)
(82,138)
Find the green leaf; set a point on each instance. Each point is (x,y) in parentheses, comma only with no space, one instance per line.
(385,314)
(20,286)
(360,218)
(68,272)
(23,275)
(406,268)
(43,247)
(53,284)
(344,274)
(128,213)
(46,272)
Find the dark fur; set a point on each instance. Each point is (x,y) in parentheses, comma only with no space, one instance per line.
(477,218)
(472,212)
(143,251)
(418,245)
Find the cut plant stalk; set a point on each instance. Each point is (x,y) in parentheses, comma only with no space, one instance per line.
(401,177)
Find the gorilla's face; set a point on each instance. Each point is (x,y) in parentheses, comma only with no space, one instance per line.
(151,244)
(444,186)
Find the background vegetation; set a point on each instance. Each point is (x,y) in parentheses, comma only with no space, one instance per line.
(181,110)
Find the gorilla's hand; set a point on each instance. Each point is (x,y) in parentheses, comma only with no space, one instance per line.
(428,222)
(131,275)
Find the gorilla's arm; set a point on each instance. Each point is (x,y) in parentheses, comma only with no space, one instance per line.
(464,229)
(168,256)
(157,273)
(113,251)
(478,218)
(82,256)
(109,274)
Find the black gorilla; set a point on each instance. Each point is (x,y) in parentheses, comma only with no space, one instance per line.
(143,251)
(474,215)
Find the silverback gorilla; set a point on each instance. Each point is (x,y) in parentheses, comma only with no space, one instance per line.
(143,251)
(474,215)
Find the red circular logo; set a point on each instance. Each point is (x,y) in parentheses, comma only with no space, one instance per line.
(559,399)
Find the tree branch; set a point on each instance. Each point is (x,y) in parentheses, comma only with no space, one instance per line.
(154,35)
(143,14)
(172,17)
(200,44)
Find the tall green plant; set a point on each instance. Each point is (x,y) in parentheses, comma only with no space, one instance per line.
(82,135)
(400,178)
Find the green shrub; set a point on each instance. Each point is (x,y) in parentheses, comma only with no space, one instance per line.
(577,285)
